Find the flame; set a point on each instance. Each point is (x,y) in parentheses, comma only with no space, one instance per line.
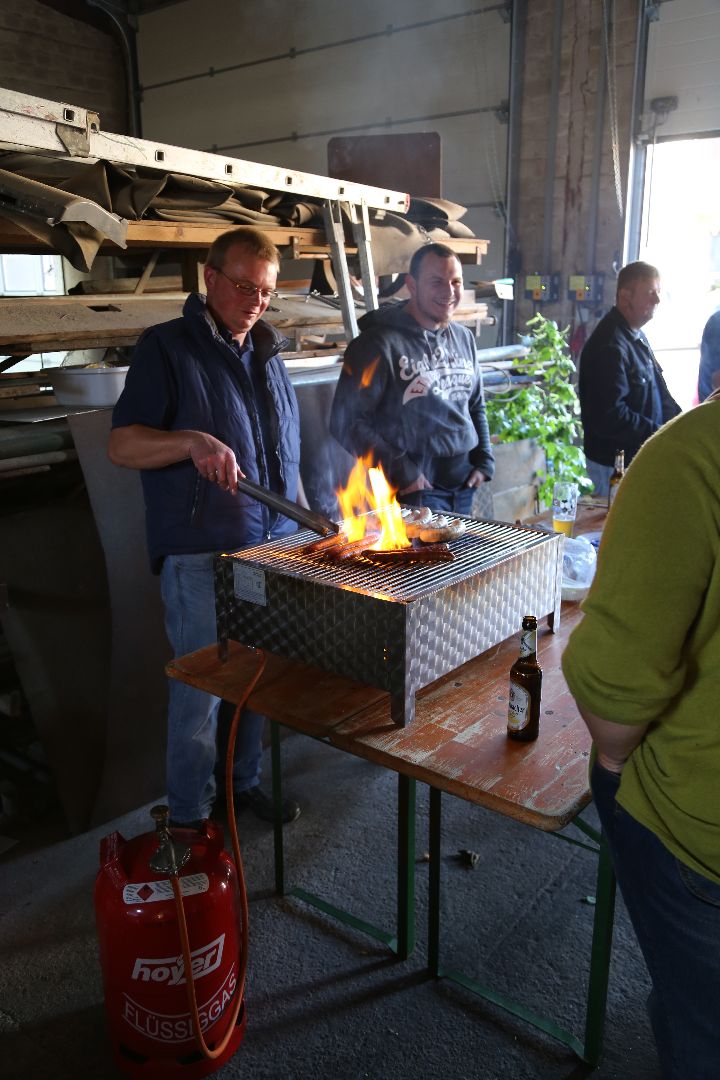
(387,509)
(367,492)
(369,372)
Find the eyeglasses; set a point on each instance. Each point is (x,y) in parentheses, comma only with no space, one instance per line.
(247,288)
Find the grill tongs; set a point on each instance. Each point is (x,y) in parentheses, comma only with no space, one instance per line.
(317,522)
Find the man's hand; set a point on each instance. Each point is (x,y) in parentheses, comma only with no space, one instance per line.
(421,483)
(301,497)
(215,461)
(475,479)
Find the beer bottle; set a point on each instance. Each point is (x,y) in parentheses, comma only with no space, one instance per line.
(525,686)
(617,475)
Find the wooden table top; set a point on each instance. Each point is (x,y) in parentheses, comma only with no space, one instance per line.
(456,743)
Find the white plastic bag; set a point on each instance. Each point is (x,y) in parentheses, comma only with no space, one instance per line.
(579,561)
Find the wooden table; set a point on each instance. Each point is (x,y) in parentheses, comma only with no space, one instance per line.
(457,744)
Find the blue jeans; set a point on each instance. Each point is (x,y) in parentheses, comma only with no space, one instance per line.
(600,476)
(441,500)
(675,913)
(188,593)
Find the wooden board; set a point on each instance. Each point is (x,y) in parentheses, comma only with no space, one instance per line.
(45,324)
(413,159)
(302,243)
(33,325)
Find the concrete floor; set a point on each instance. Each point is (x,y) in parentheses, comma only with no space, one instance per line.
(325,1002)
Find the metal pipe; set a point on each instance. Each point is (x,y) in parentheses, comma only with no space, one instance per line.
(591,249)
(127,31)
(638,149)
(517,62)
(552,138)
(317,522)
(31,461)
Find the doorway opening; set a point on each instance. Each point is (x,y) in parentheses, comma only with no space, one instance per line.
(681,237)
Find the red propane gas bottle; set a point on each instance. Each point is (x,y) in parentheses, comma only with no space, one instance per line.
(141,953)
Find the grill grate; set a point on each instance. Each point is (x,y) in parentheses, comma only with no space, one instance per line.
(484,544)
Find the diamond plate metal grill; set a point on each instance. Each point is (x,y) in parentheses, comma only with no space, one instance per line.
(397,628)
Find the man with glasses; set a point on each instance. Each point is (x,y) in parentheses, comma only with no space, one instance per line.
(208,400)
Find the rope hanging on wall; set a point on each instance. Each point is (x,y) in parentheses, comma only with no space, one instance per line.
(609,42)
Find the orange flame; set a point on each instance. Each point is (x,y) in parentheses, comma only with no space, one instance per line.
(369,373)
(367,497)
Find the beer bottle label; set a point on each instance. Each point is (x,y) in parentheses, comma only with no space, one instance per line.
(518,707)
(528,642)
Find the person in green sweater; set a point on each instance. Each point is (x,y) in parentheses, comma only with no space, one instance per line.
(644,668)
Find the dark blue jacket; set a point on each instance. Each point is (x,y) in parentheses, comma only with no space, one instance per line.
(623,396)
(709,356)
(185,375)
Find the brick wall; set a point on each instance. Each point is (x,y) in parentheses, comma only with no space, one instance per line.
(50,55)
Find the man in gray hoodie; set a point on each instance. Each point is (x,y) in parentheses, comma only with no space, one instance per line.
(411,393)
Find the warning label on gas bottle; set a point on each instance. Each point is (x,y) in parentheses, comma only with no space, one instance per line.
(149,892)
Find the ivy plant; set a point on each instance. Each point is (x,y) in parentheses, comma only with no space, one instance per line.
(546,409)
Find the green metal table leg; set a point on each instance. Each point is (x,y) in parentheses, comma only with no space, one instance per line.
(402,942)
(600,956)
(434,884)
(277,802)
(406,867)
(590,1047)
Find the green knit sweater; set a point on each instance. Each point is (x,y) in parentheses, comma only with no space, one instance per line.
(648,648)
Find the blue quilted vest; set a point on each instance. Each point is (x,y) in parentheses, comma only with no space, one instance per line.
(184,512)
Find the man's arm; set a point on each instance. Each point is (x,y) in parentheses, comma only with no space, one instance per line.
(136,446)
(604,391)
(614,743)
(481,456)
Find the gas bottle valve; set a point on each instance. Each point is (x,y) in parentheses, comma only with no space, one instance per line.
(170,856)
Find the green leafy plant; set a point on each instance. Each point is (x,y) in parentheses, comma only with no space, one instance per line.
(547,409)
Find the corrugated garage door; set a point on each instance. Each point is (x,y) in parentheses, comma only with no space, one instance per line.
(684,62)
(680,231)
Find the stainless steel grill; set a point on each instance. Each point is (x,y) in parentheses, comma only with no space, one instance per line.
(394,627)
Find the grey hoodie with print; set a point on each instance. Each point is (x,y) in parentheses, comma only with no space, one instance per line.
(414,398)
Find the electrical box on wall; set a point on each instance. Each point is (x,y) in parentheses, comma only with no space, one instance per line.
(586,288)
(542,288)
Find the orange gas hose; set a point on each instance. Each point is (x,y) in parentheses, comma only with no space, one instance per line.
(190,982)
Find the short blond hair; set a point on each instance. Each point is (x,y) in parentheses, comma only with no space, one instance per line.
(253,240)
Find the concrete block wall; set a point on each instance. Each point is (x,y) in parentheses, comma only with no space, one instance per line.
(50,55)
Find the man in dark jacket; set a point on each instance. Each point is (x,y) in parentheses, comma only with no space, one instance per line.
(709,372)
(623,396)
(411,393)
(207,400)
